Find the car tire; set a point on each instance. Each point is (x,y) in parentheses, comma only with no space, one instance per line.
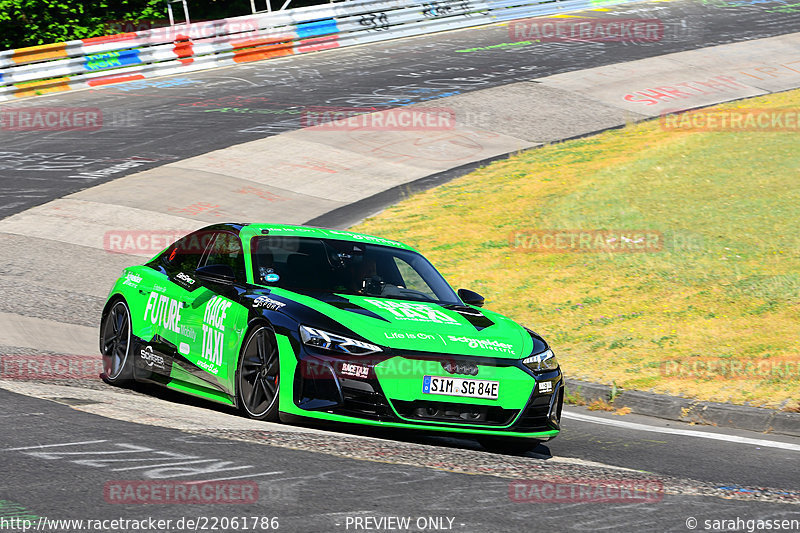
(258,375)
(115,344)
(510,445)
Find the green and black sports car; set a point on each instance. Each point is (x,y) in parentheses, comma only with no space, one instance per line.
(292,321)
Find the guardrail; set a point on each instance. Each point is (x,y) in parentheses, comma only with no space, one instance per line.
(187,47)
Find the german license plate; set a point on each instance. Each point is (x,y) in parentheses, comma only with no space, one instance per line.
(468,388)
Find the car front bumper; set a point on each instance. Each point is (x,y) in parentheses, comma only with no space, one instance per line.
(387,391)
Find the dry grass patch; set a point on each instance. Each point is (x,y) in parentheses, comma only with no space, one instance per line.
(725,286)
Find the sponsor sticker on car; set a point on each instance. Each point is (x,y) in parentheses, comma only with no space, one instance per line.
(414,311)
(355,371)
(152,359)
(467,388)
(268,303)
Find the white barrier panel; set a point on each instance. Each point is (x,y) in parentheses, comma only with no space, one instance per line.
(183,48)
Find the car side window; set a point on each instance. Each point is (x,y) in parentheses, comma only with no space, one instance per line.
(185,254)
(227,250)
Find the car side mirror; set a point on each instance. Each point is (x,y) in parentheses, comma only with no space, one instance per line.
(471,297)
(218,274)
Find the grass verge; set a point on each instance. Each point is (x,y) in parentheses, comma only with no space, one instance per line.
(713,314)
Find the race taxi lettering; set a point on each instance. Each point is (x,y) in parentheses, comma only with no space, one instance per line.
(416,312)
(163,310)
(214,328)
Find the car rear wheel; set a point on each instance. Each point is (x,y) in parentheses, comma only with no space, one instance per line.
(115,344)
(258,376)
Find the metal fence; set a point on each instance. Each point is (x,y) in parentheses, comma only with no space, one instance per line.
(187,47)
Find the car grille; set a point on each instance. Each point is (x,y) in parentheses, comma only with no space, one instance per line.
(364,404)
(455,413)
(536,417)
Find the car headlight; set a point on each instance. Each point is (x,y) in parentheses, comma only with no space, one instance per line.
(335,343)
(542,362)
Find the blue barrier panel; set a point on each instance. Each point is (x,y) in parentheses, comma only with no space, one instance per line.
(317,28)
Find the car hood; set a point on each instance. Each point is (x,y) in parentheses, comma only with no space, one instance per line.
(425,326)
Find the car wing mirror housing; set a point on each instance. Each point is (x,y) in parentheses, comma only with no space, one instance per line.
(471,297)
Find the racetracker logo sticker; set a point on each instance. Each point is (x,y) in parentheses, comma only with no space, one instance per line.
(51,119)
(180,492)
(370,118)
(578,490)
(549,30)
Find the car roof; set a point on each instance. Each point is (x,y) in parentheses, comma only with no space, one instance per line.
(248,231)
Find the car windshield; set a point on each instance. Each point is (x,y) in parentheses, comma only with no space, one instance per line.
(326,265)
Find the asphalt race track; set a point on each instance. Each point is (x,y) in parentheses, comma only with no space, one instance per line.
(152,122)
(313,480)
(65,445)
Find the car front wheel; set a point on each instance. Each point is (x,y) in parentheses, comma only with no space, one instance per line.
(257,376)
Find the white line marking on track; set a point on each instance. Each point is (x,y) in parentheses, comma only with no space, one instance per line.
(53,445)
(173,464)
(234,477)
(684,432)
